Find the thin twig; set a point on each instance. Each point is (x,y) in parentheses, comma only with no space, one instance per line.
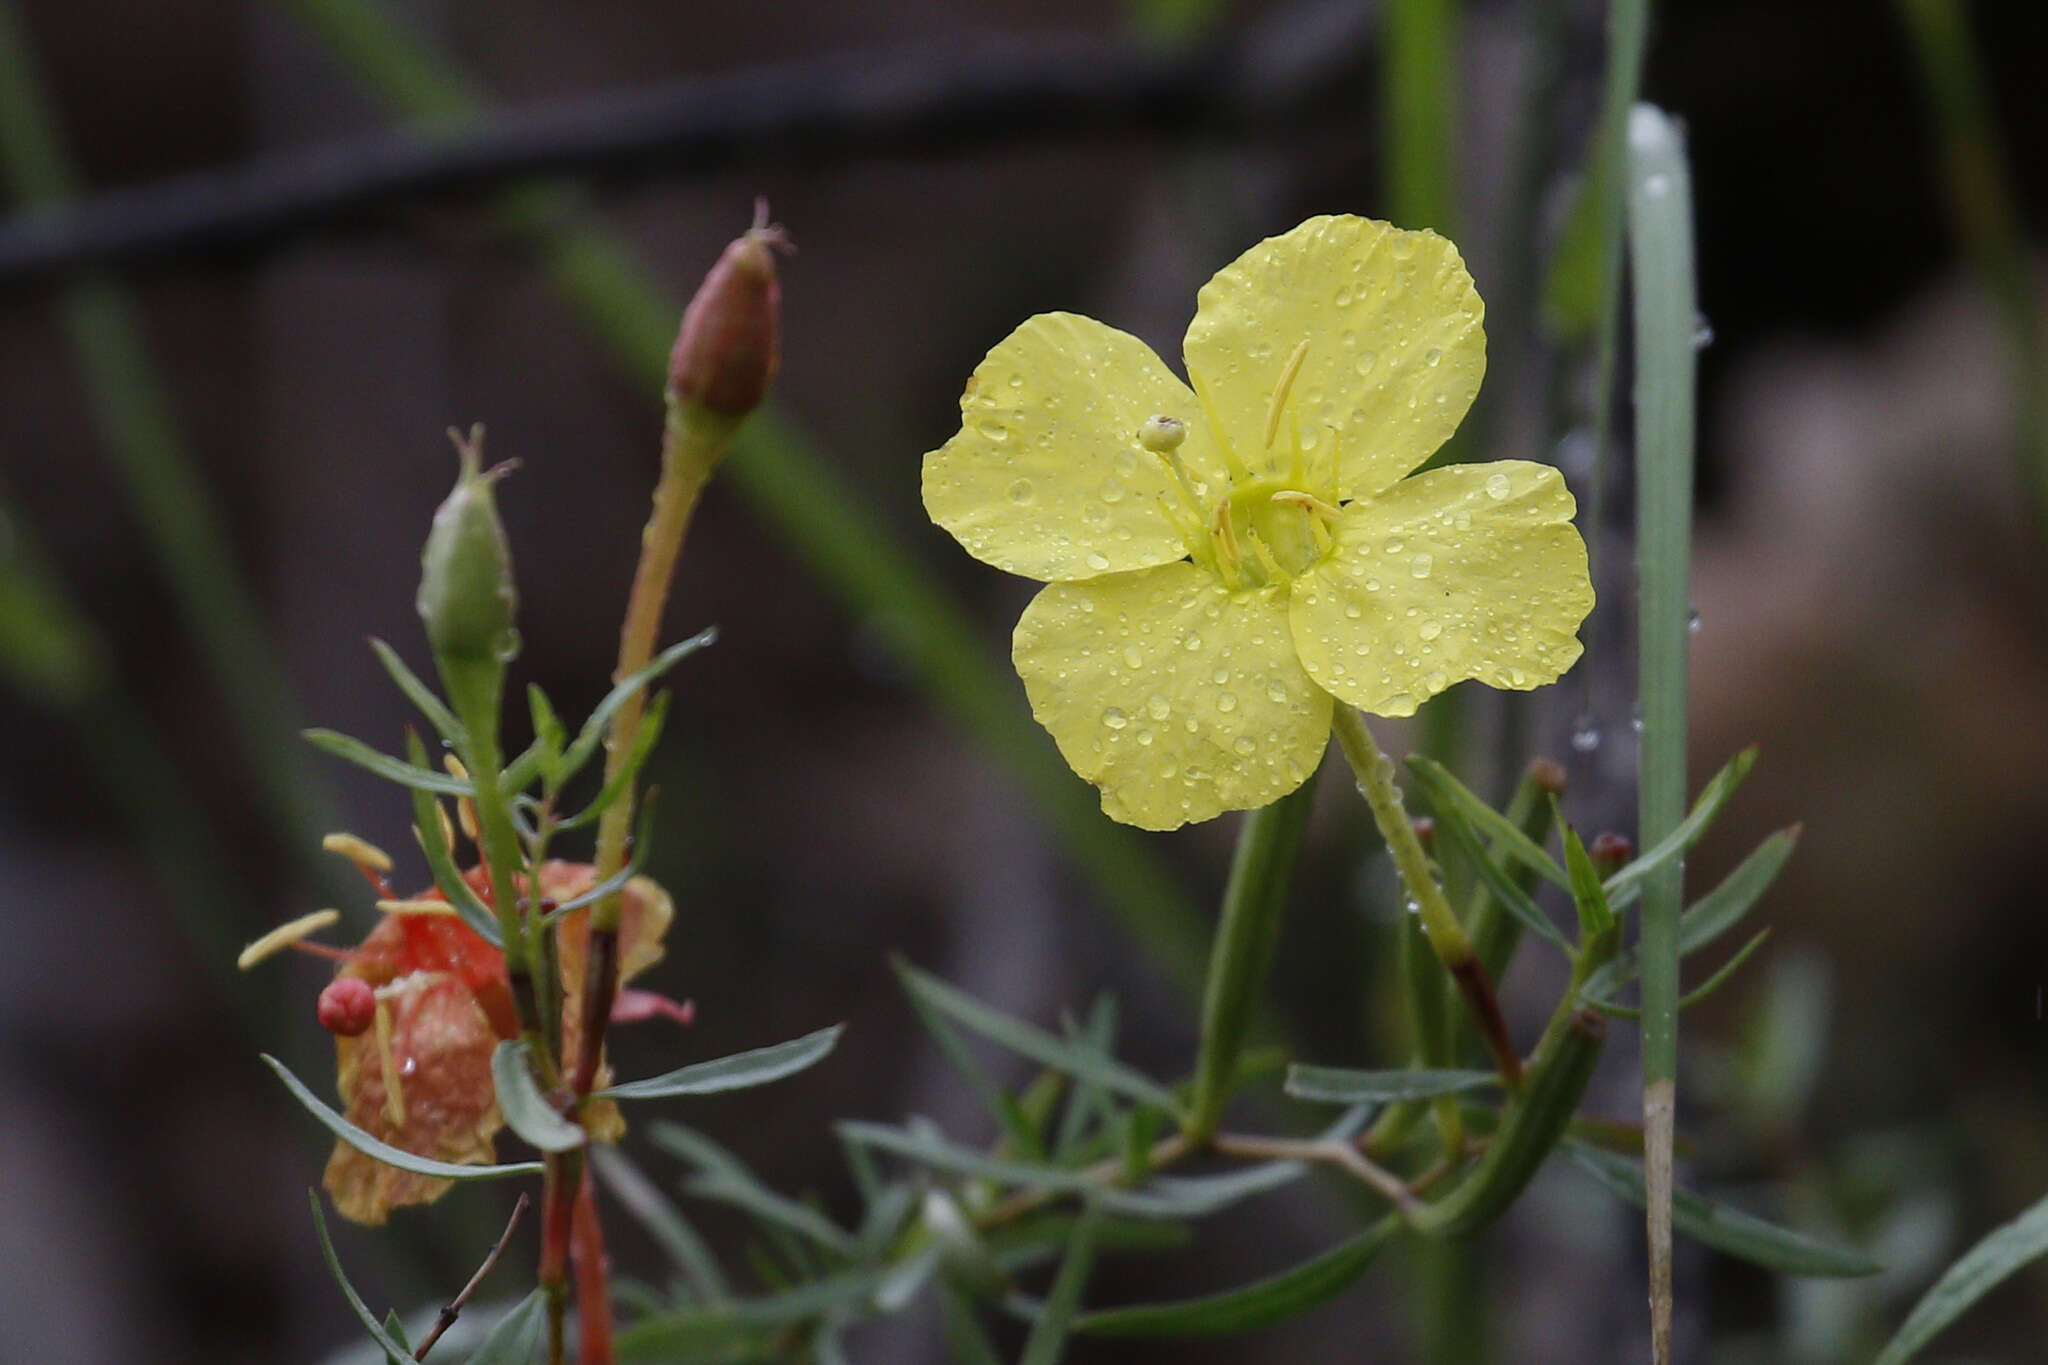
(454,1308)
(916,102)
(1340,1154)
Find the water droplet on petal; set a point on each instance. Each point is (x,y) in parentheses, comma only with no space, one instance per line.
(1226,701)
(1115,719)
(1497,486)
(1192,643)
(994,429)
(1134,657)
(1098,561)
(1429,630)
(1245,746)
(1158,707)
(1421,565)
(1022,492)
(1432,357)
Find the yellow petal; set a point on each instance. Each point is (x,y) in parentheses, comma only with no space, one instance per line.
(1178,699)
(1046,477)
(1396,348)
(1470,571)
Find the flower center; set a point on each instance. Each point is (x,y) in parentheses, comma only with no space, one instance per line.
(1261,527)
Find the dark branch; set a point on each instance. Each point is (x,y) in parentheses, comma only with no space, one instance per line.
(453,1309)
(908,103)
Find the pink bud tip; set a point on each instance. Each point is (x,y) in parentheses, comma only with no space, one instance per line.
(728,347)
(347,1007)
(1610,850)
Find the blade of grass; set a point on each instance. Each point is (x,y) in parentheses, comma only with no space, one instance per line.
(1661,260)
(797,494)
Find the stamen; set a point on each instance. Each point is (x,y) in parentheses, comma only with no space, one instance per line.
(1299,469)
(371,861)
(415,907)
(1231,463)
(1274,573)
(465,809)
(1223,535)
(1183,481)
(1280,390)
(284,936)
(1319,512)
(394,1099)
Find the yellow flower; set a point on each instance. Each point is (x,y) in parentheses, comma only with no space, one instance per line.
(1223,560)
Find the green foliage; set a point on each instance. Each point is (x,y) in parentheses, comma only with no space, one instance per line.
(2002,1254)
(737,1072)
(372,1146)
(527,1111)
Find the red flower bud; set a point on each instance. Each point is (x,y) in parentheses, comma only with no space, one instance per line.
(727,349)
(347,1007)
(1609,851)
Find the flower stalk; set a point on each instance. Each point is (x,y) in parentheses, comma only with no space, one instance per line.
(1439,923)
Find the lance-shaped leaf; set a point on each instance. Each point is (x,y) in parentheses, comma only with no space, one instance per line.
(593,731)
(1722,1226)
(1340,1085)
(1627,884)
(1595,917)
(736,1072)
(1985,1266)
(526,1110)
(1712,915)
(422,696)
(384,765)
(1275,1299)
(1722,975)
(384,1151)
(723,1177)
(390,1345)
(643,844)
(1444,789)
(1049,1333)
(1080,1062)
(1452,818)
(663,1222)
(644,740)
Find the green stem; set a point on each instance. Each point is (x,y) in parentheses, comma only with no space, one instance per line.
(1660,238)
(1447,937)
(1267,844)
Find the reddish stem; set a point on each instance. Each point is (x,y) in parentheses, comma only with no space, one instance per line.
(593,1277)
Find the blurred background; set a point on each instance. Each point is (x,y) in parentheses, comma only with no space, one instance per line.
(222,391)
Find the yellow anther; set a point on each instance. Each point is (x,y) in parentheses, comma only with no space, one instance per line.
(394,1099)
(465,809)
(1224,529)
(361,852)
(447,827)
(1307,502)
(415,907)
(1281,390)
(284,936)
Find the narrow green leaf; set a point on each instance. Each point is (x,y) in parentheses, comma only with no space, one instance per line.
(1722,1226)
(723,1177)
(1507,892)
(1721,976)
(1004,1109)
(516,1337)
(644,740)
(526,1110)
(1275,1299)
(1035,1043)
(1338,1085)
(643,844)
(1711,915)
(384,1151)
(663,1221)
(548,733)
(426,828)
(396,1329)
(432,707)
(1098,1035)
(1627,883)
(882,1221)
(384,765)
(737,1072)
(392,1348)
(1049,1334)
(1595,918)
(749,1194)
(1163,1196)
(592,733)
(1445,790)
(2002,1254)
(967,1341)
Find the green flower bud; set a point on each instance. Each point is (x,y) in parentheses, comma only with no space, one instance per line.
(466,596)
